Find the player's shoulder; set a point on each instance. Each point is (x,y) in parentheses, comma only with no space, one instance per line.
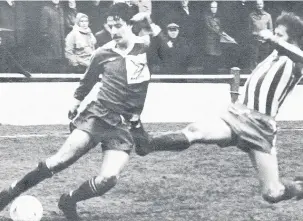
(105,49)
(101,54)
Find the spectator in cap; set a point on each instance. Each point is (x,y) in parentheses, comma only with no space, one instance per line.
(173,53)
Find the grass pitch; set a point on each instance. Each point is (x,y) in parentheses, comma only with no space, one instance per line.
(203,183)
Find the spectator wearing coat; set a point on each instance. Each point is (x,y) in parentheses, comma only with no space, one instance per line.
(213,32)
(53,34)
(173,51)
(12,17)
(259,20)
(80,44)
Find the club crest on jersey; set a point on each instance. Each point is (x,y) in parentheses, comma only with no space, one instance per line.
(137,69)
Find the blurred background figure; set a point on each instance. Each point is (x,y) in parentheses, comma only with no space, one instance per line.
(259,20)
(213,32)
(80,44)
(104,36)
(12,33)
(52,28)
(70,13)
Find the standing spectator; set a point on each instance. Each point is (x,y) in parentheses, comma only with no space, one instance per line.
(187,15)
(259,20)
(12,16)
(241,32)
(143,5)
(213,34)
(80,44)
(70,14)
(96,9)
(173,52)
(52,28)
(8,20)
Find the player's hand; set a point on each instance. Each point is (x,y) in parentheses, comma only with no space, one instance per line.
(142,17)
(73,110)
(266,35)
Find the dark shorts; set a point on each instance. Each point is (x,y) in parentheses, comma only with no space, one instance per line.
(251,129)
(108,127)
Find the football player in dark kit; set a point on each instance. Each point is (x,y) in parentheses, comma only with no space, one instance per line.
(105,112)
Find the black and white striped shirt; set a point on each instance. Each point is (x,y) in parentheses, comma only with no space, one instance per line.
(270,83)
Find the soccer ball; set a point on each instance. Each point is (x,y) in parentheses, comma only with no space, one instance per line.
(26,208)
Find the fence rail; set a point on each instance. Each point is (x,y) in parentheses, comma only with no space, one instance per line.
(57,77)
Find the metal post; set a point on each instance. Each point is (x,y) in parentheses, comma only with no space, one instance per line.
(235,83)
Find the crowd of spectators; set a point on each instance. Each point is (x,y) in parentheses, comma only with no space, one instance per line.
(200,36)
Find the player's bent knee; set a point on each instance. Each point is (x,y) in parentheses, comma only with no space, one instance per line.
(78,144)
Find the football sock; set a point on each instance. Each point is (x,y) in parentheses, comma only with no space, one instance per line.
(140,136)
(32,178)
(176,141)
(90,189)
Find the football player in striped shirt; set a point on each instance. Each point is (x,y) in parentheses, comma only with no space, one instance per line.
(105,113)
(250,123)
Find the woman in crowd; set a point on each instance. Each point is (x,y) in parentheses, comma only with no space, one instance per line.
(80,43)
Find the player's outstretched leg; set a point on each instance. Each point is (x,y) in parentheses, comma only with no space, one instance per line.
(76,145)
(113,163)
(211,130)
(171,141)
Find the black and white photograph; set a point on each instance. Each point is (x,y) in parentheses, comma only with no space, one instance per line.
(149,110)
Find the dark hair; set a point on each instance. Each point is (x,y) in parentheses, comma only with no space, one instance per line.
(293,24)
(122,11)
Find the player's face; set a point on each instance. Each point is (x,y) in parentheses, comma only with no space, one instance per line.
(83,23)
(119,29)
(281,32)
(173,32)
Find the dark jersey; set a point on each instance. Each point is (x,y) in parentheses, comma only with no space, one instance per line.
(125,77)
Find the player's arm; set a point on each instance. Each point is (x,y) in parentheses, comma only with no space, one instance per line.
(89,79)
(290,50)
(149,27)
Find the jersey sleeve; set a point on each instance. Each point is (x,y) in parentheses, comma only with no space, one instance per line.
(90,77)
(291,51)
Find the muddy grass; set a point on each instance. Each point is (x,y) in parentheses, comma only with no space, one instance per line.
(203,183)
